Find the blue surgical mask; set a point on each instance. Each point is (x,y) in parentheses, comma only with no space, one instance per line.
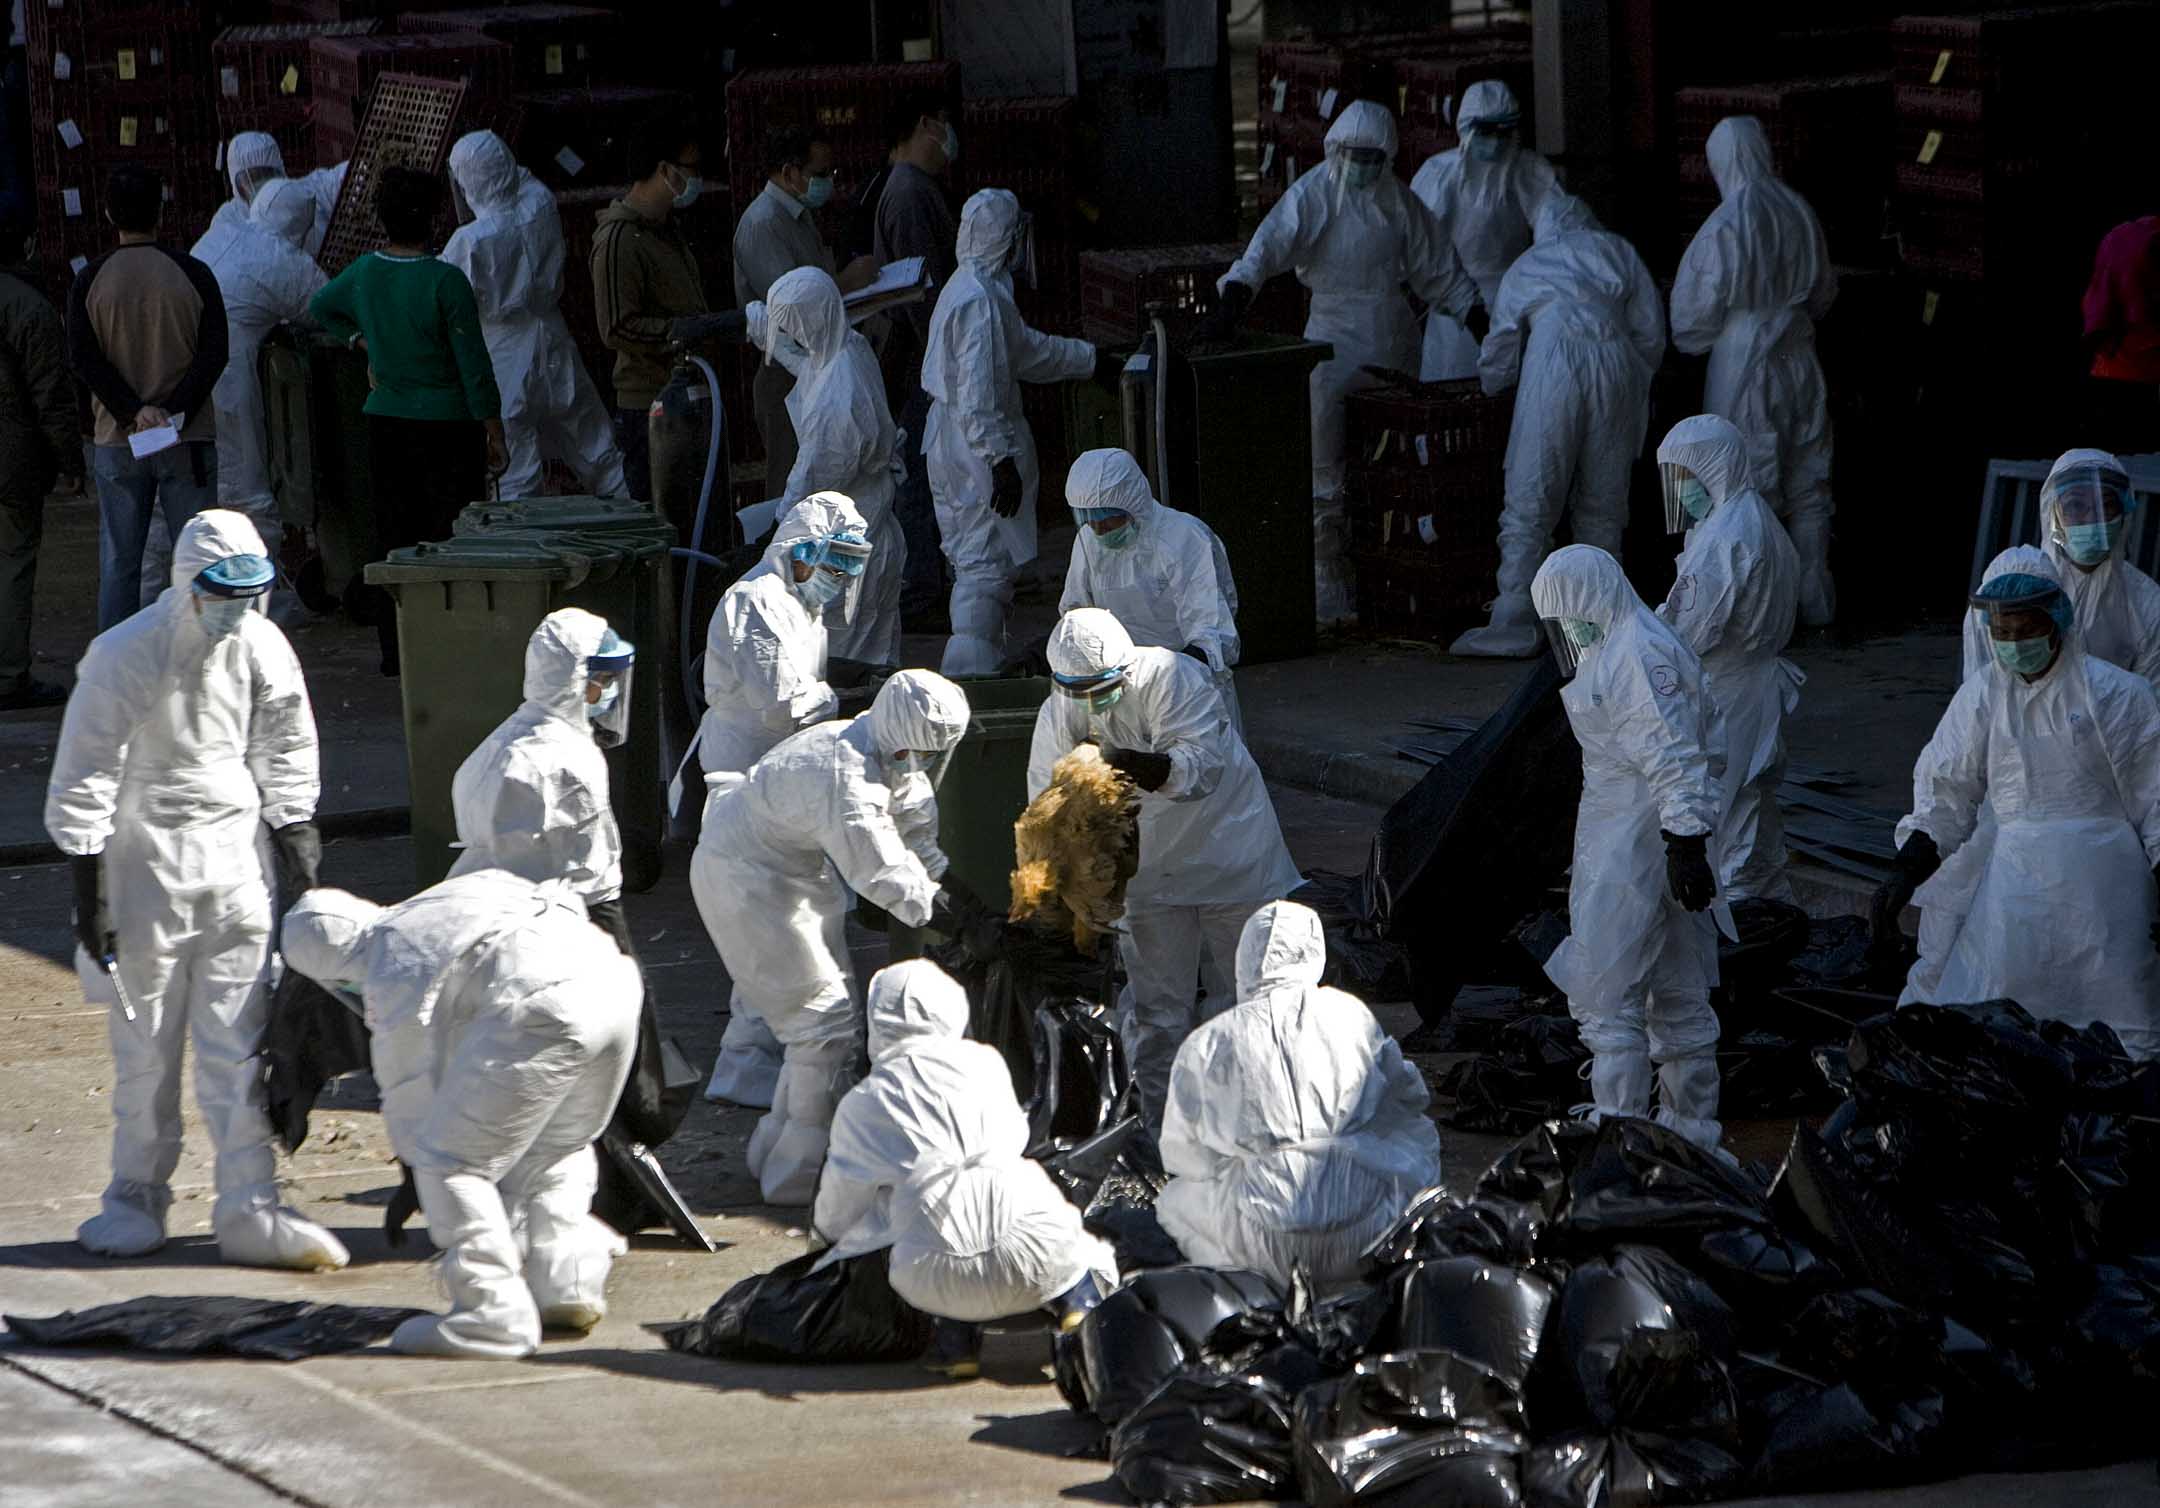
(1103,701)
(2025,656)
(822,587)
(693,185)
(819,192)
(1120,537)
(1486,146)
(1581,632)
(1694,497)
(222,616)
(2089,544)
(1363,175)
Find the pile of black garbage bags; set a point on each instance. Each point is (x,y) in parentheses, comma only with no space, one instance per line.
(1956,1274)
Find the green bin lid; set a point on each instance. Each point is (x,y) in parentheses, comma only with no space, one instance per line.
(495,556)
(586,513)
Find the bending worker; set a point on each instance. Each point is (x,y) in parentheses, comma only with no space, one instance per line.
(1355,236)
(929,1158)
(188,737)
(780,851)
(1296,1133)
(501,1030)
(1210,847)
(253,160)
(1640,957)
(765,680)
(1733,602)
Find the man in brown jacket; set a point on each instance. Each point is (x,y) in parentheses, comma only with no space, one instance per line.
(39,443)
(645,277)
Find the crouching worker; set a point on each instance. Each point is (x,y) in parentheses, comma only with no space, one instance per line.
(503,1029)
(1295,1133)
(927,1158)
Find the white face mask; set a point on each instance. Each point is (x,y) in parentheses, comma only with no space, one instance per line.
(609,695)
(221,616)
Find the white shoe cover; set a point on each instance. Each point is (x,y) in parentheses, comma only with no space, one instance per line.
(747,1078)
(274,1236)
(443,1335)
(129,1223)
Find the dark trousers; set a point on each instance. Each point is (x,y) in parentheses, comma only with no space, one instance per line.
(633,437)
(22,526)
(922,589)
(424,473)
(769,391)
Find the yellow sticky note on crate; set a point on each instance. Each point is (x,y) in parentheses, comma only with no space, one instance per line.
(553,59)
(128,130)
(1402,100)
(1381,449)
(127,63)
(1930,144)
(290,83)
(1942,66)
(1929,302)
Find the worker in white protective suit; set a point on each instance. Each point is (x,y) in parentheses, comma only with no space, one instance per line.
(977,447)
(1641,954)
(187,739)
(1484,191)
(501,1030)
(829,811)
(512,252)
(1296,1133)
(2066,749)
(1753,283)
(1733,600)
(765,680)
(1356,237)
(1161,573)
(929,1158)
(1578,333)
(252,159)
(845,444)
(533,798)
(1210,847)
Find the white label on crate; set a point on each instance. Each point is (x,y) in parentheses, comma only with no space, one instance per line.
(1426,531)
(1282,88)
(76,264)
(1942,66)
(70,134)
(1267,157)
(551,60)
(1327,103)
(63,66)
(157,57)
(290,82)
(1930,144)
(71,202)
(1424,457)
(127,63)
(229,82)
(570,162)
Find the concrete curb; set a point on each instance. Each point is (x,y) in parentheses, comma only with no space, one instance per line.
(368,822)
(1376,780)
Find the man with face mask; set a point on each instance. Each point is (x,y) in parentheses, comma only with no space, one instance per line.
(1640,957)
(253,159)
(845,444)
(1733,602)
(818,817)
(1210,847)
(188,736)
(2066,748)
(1161,573)
(1355,236)
(2085,508)
(512,253)
(979,450)
(764,681)
(1484,191)
(1578,333)
(1754,281)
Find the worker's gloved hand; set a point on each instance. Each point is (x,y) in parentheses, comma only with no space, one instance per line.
(1478,322)
(1687,871)
(1231,302)
(299,859)
(701,329)
(956,908)
(1109,368)
(608,917)
(403,1205)
(1005,487)
(1918,859)
(1148,771)
(90,931)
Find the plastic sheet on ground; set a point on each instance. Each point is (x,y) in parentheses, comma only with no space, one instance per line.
(844,1312)
(210,1325)
(1206,1438)
(1411,1427)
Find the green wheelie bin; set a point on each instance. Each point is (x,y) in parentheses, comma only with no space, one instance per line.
(316,451)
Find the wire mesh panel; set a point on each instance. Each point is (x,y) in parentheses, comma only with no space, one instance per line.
(409,124)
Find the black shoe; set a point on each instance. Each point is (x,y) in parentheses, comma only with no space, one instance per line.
(955,1350)
(33,695)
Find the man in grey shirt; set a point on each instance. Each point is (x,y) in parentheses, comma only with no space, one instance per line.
(777,234)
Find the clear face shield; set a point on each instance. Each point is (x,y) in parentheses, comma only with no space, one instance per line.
(227,590)
(607,690)
(1113,528)
(2025,627)
(836,565)
(1687,500)
(1098,692)
(1023,252)
(929,763)
(2089,512)
(1491,140)
(1362,166)
(1571,640)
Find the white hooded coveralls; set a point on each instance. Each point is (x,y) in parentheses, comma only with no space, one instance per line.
(1754,281)
(176,753)
(764,680)
(2060,920)
(1486,207)
(1171,587)
(502,1028)
(1356,250)
(1578,332)
(1210,847)
(1295,1134)
(979,352)
(512,251)
(928,1158)
(533,797)
(1637,968)
(253,158)
(818,817)
(1733,602)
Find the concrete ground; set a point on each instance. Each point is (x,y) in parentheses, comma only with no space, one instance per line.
(615,1417)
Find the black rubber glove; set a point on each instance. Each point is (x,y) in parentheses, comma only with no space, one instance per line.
(1478,322)
(728,324)
(608,917)
(1918,859)
(299,859)
(955,907)
(1687,871)
(85,868)
(1150,772)
(1109,368)
(1005,488)
(1230,306)
(403,1205)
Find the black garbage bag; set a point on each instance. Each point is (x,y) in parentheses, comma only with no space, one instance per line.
(1772,934)
(1979,1080)
(1836,952)
(1870,1236)
(1081,1172)
(1203,1437)
(2104,1074)
(1081,1084)
(1157,1325)
(1122,1212)
(661,1086)
(1863,1334)
(1033,968)
(1338,1329)
(1493,1099)
(1608,1351)
(310,1038)
(1492,1314)
(635,1192)
(1627,1469)
(1359,959)
(845,1312)
(2116,1323)
(210,1325)
(1410,1427)
(1438,1224)
(2108,1163)
(1820,1439)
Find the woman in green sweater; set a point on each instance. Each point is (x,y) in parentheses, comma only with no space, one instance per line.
(434,418)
